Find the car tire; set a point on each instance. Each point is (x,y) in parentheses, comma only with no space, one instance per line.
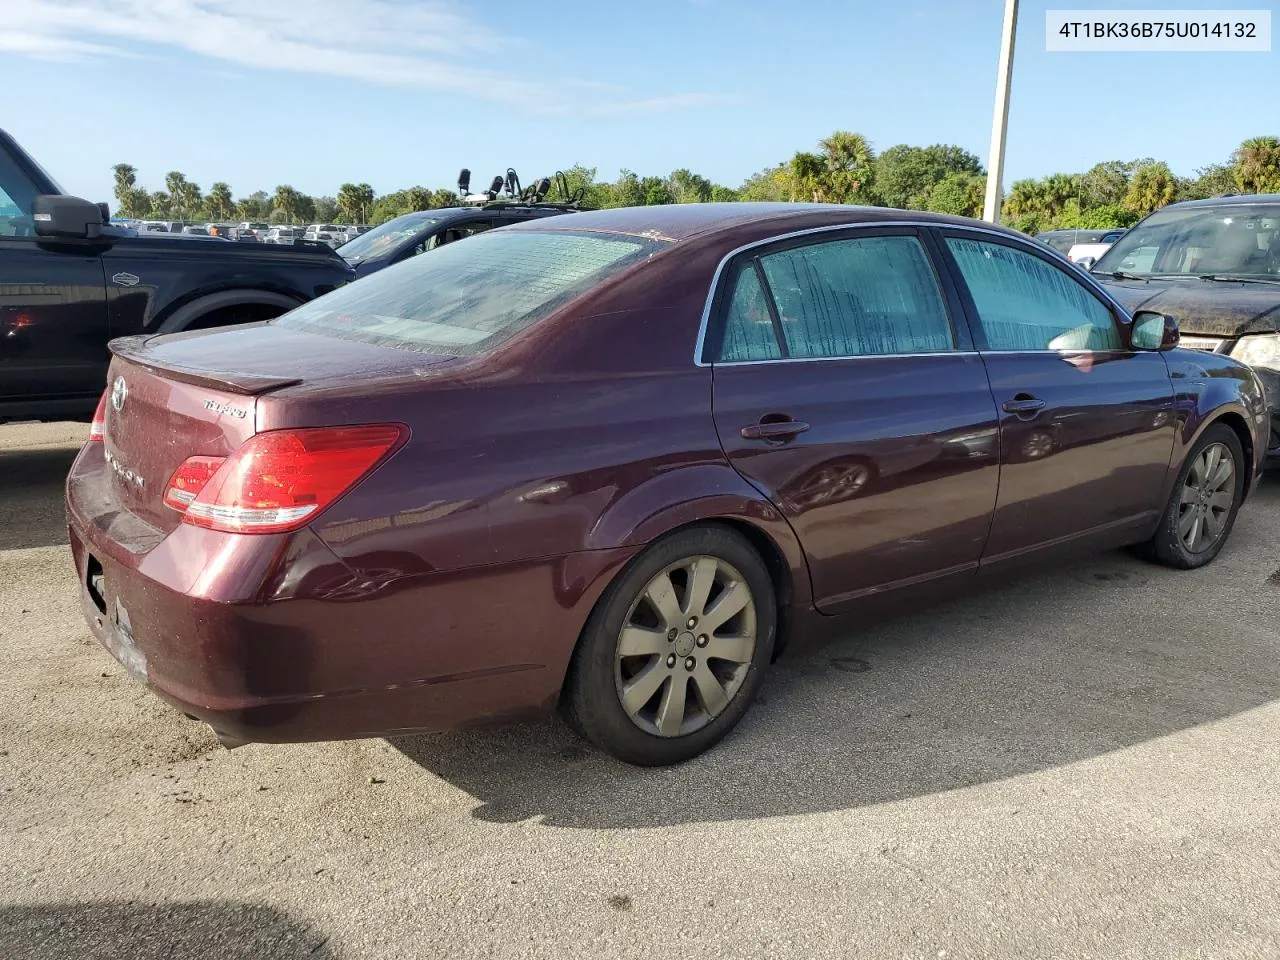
(1199,505)
(643,684)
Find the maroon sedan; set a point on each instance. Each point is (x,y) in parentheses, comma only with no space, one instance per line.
(616,461)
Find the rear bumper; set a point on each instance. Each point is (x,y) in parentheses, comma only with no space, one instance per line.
(274,639)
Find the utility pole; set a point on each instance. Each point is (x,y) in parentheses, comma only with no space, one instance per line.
(1000,119)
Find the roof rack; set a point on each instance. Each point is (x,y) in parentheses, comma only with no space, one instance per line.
(506,191)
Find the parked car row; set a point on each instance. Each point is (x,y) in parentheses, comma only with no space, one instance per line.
(332,234)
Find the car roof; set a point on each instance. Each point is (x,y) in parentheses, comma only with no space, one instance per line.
(683,221)
(1233,200)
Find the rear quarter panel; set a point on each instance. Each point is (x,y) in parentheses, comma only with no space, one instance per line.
(592,433)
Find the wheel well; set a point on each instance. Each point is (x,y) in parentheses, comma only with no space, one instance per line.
(775,563)
(1241,429)
(235,313)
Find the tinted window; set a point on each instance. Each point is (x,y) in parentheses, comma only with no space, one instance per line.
(850,298)
(465,298)
(16,195)
(1025,303)
(748,330)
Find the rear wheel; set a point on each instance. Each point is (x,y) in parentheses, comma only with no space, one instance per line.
(675,650)
(1204,502)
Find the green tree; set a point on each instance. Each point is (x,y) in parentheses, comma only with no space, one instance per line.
(1152,187)
(626,191)
(137,203)
(656,191)
(417,198)
(442,197)
(770,184)
(1256,165)
(326,209)
(256,206)
(184,196)
(850,167)
(160,204)
(1211,181)
(1105,183)
(355,201)
(808,182)
(130,200)
(287,205)
(904,175)
(218,204)
(961,194)
(720,194)
(582,180)
(688,187)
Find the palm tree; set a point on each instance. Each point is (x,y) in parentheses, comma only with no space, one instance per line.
(1256,165)
(850,165)
(1153,185)
(287,202)
(807,175)
(126,180)
(218,205)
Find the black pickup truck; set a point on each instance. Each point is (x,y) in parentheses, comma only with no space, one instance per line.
(70,281)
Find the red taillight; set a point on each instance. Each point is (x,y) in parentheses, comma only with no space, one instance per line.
(189,479)
(98,426)
(278,480)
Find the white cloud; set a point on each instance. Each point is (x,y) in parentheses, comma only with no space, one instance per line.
(429,44)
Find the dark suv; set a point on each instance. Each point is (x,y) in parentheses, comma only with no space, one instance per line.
(1214,265)
(416,233)
(70,281)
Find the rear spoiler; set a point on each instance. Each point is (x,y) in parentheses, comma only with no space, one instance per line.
(134,350)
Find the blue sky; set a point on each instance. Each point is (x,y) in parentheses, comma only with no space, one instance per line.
(403,92)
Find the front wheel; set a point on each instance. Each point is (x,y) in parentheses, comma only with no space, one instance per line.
(1204,502)
(675,649)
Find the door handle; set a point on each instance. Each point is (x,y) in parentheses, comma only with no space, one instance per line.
(1023,404)
(773,430)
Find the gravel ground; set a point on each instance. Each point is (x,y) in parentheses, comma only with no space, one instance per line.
(1079,764)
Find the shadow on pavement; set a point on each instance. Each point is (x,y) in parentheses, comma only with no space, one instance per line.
(109,930)
(1087,659)
(31,507)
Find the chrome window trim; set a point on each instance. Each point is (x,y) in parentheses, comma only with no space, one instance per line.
(1029,244)
(860,356)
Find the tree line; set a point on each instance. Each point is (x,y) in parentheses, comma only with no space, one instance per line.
(843,168)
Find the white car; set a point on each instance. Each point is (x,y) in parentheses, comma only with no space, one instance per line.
(285,235)
(1087,254)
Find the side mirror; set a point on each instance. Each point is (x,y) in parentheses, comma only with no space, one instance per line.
(66,218)
(1154,331)
(1086,263)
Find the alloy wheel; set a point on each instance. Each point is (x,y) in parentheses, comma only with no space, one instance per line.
(686,646)
(1207,495)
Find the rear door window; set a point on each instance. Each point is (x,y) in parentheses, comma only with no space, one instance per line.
(851,297)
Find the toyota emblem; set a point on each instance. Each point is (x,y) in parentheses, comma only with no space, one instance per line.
(119,393)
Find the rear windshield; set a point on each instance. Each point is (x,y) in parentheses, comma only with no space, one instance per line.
(469,296)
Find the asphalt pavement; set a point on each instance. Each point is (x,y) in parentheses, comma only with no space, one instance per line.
(1079,764)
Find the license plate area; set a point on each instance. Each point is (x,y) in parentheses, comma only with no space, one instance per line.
(117,629)
(96,584)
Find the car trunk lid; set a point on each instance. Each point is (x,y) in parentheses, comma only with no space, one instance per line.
(178,396)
